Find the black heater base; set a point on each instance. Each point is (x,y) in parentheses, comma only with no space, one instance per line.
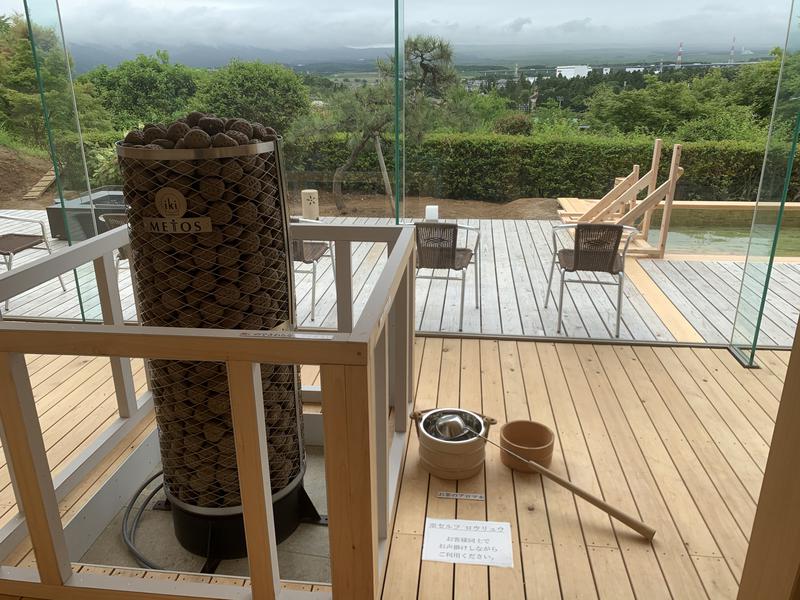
(221,537)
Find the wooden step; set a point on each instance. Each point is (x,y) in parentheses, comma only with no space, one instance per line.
(41,186)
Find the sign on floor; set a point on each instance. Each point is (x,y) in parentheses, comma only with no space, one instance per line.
(468,542)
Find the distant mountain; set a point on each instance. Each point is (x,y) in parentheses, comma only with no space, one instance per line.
(347,59)
(88,56)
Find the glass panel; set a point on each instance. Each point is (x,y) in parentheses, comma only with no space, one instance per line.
(71,217)
(776,177)
(399,110)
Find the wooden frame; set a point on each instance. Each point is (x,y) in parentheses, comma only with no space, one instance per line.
(772,566)
(624,196)
(664,193)
(357,362)
(615,198)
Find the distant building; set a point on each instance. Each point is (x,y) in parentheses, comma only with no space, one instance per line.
(606,70)
(475,85)
(634,69)
(501,84)
(531,79)
(572,71)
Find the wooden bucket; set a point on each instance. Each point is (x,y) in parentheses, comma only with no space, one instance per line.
(460,458)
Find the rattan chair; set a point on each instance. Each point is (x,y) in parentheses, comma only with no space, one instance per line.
(310,253)
(112,221)
(12,244)
(596,250)
(437,248)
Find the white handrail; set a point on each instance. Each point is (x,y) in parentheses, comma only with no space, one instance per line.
(362,459)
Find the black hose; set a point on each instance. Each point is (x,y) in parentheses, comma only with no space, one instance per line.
(129,536)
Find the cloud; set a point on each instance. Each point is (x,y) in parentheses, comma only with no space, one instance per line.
(310,24)
(576,26)
(519,24)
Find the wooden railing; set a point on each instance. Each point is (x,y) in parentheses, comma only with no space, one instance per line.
(365,372)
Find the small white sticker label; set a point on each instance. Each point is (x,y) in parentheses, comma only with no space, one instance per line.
(468,542)
(286,334)
(461,496)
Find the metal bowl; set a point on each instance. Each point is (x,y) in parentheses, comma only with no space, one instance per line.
(428,425)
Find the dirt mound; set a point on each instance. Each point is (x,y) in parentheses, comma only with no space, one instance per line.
(376,206)
(18,174)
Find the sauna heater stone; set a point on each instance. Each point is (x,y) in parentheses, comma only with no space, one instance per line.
(210,248)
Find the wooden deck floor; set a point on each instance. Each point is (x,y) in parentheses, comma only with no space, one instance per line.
(75,402)
(678,436)
(665,300)
(707,292)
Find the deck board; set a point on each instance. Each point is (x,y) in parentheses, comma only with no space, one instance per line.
(686,299)
(706,293)
(675,436)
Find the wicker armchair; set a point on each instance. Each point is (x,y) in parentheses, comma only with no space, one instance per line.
(12,244)
(437,248)
(310,253)
(596,250)
(112,221)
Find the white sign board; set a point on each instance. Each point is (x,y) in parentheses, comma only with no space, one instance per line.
(468,542)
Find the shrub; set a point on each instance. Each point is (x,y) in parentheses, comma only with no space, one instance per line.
(515,123)
(502,167)
(489,167)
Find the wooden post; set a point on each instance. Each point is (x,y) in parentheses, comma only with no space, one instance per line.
(772,567)
(674,175)
(344,287)
(398,355)
(111,307)
(654,166)
(381,387)
(411,323)
(348,422)
(25,454)
(250,436)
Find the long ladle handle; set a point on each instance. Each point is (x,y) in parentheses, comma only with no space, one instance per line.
(632,522)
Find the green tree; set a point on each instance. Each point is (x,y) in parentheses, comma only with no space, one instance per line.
(658,108)
(720,121)
(146,89)
(20,102)
(429,65)
(464,111)
(755,84)
(267,93)
(364,113)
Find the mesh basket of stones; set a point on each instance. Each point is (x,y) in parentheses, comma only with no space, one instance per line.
(209,240)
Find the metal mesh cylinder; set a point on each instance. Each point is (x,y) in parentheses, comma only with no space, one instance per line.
(209,248)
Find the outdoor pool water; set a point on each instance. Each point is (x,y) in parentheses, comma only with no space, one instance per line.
(685,239)
(698,231)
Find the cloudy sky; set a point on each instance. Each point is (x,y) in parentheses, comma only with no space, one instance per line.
(330,23)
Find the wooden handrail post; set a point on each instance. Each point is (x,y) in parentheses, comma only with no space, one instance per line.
(350,472)
(344,287)
(250,436)
(381,387)
(26,455)
(654,166)
(410,321)
(398,354)
(111,306)
(674,174)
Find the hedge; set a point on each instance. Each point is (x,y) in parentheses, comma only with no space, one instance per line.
(503,167)
(498,168)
